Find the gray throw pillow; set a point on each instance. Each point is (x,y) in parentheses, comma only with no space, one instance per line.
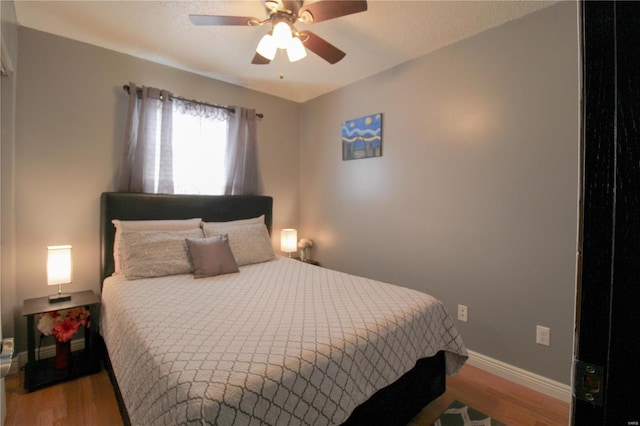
(211,256)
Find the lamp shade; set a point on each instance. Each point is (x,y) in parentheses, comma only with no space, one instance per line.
(288,240)
(59,267)
(282,34)
(295,50)
(267,47)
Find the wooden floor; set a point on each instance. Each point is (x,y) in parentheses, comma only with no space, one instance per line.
(86,401)
(90,401)
(503,400)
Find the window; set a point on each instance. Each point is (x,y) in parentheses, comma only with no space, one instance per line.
(198,141)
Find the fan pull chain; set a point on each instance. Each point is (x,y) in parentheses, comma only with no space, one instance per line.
(281,63)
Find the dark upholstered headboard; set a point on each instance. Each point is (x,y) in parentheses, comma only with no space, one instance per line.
(211,208)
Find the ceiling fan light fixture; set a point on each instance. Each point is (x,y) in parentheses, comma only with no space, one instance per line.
(267,47)
(282,34)
(295,50)
(282,15)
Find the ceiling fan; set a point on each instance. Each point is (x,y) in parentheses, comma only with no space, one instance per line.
(283,14)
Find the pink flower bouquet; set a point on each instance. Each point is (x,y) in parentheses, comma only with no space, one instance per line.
(63,324)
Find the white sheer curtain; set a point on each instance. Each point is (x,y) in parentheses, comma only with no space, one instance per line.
(241,159)
(200,139)
(146,164)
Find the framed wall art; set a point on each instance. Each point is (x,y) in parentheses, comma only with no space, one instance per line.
(362,137)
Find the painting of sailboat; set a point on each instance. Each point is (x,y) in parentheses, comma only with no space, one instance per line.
(362,137)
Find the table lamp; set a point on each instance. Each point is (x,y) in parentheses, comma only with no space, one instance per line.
(59,271)
(288,240)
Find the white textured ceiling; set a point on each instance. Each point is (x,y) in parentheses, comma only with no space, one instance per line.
(387,34)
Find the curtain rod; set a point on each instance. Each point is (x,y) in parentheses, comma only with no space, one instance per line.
(139,90)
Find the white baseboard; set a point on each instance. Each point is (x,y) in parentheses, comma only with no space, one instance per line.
(522,377)
(45,352)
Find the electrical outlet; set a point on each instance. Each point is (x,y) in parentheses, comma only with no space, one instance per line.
(462,313)
(543,335)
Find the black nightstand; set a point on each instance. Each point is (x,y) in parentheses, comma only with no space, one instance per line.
(309,261)
(41,373)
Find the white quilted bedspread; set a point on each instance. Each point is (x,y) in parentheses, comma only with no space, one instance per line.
(280,342)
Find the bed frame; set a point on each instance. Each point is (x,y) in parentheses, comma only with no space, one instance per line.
(395,404)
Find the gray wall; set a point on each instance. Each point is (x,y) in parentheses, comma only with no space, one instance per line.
(475,197)
(70,124)
(7,123)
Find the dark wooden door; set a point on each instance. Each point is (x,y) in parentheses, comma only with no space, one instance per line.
(608,322)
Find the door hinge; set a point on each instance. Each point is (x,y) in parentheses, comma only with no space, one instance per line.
(588,382)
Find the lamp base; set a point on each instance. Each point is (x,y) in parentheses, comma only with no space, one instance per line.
(59,297)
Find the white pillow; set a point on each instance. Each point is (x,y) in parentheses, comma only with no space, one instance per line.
(215,225)
(250,243)
(145,254)
(148,225)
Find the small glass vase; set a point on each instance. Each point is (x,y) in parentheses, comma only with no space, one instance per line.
(303,254)
(63,355)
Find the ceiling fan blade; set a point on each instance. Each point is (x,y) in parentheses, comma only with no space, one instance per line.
(221,20)
(258,59)
(329,9)
(321,47)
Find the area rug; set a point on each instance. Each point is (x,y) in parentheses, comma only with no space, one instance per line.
(459,414)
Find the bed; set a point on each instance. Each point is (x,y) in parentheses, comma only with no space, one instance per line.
(277,342)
